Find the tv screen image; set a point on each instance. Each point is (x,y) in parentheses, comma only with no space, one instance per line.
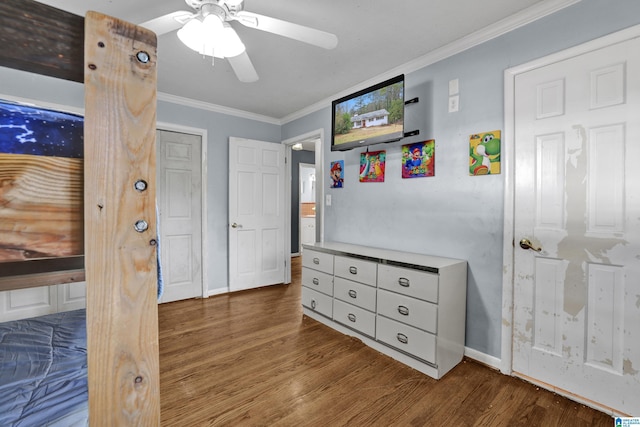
(370,116)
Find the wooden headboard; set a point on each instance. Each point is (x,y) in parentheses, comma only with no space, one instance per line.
(116,61)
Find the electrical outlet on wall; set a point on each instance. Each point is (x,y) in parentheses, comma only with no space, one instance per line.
(454,103)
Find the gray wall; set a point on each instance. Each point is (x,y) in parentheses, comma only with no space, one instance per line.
(450,214)
(219,127)
(453,214)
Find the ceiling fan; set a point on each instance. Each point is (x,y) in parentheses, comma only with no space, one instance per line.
(208,32)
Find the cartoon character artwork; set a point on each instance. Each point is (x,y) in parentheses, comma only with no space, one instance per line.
(372,165)
(336,173)
(418,159)
(484,153)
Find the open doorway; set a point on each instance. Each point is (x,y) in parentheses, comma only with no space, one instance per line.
(306,217)
(308,150)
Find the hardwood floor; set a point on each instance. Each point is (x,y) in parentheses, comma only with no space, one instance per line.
(252,359)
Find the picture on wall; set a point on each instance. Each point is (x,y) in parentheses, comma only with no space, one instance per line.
(418,159)
(336,173)
(372,166)
(484,153)
(41,171)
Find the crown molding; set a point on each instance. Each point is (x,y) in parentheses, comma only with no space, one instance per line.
(188,102)
(504,26)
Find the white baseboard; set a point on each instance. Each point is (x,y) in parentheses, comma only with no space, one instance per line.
(218,291)
(491,361)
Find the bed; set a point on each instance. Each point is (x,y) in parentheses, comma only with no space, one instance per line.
(43,371)
(116,61)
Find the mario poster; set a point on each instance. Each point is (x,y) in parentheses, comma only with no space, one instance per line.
(336,173)
(418,159)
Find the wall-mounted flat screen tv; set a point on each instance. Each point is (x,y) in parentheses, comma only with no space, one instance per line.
(370,116)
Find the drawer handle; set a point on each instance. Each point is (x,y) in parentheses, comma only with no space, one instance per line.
(352,293)
(315,281)
(316,261)
(353,270)
(313,304)
(403,310)
(351,317)
(404,282)
(402,338)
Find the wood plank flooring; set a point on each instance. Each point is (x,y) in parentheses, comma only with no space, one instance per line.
(252,359)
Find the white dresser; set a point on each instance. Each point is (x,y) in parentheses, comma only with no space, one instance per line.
(408,306)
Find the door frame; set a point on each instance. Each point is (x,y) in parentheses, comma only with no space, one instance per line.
(318,135)
(202,133)
(508,163)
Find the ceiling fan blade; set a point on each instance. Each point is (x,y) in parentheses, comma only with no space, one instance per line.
(287,29)
(243,68)
(167,23)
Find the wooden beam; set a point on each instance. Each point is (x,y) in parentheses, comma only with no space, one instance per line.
(40,279)
(41,39)
(120,262)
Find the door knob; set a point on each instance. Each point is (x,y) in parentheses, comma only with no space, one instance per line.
(526,244)
(234,225)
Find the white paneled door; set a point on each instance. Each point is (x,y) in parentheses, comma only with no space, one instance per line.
(256,213)
(577,227)
(179,202)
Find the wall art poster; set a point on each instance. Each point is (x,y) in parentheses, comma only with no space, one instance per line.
(418,159)
(336,173)
(41,171)
(484,153)
(372,165)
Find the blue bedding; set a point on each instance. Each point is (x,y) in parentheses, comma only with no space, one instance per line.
(43,371)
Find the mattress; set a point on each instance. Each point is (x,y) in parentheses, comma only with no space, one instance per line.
(43,371)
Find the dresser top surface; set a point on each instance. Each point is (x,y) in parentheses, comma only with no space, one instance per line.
(384,254)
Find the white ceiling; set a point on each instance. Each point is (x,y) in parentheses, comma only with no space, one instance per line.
(375,39)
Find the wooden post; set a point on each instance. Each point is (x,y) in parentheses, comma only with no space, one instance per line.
(120,261)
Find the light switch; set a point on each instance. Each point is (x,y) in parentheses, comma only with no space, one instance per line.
(454,87)
(328,199)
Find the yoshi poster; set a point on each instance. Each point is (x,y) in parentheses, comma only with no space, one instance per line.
(484,153)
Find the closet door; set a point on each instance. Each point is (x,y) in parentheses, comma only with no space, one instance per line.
(576,263)
(180,206)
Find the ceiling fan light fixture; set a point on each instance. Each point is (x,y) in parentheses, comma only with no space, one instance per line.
(230,43)
(191,34)
(206,31)
(201,36)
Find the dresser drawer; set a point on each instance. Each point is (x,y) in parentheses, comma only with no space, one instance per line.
(415,283)
(355,293)
(317,280)
(414,312)
(407,339)
(354,317)
(356,269)
(318,302)
(320,261)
